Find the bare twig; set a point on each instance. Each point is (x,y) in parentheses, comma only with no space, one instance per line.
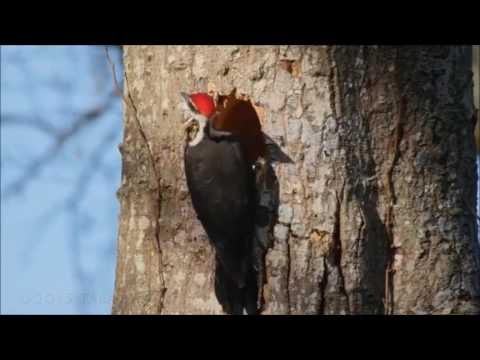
(95,164)
(32,122)
(61,137)
(82,184)
(118,90)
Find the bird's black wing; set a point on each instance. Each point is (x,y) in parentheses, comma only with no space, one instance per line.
(221,185)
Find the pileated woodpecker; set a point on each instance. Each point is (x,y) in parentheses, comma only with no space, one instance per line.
(219,166)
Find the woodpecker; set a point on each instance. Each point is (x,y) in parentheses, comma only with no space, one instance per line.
(219,159)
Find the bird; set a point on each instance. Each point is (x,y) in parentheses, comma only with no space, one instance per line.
(222,146)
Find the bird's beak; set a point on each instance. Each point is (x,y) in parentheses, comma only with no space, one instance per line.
(188,119)
(187,103)
(185,97)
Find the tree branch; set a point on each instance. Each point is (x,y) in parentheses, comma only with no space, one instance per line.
(61,138)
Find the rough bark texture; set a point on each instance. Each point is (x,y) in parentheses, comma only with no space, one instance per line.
(476,91)
(377,210)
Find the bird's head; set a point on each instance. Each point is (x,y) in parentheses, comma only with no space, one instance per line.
(198,109)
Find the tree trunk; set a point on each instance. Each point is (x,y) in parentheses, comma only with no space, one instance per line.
(377,211)
(476,91)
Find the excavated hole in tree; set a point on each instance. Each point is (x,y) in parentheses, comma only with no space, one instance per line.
(238,116)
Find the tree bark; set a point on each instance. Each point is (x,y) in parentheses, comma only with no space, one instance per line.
(377,212)
(476,91)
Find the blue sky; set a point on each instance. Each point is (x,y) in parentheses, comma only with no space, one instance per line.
(59,231)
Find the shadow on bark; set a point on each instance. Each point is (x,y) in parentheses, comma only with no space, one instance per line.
(268,192)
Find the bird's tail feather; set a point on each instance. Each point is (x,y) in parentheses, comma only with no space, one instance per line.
(233,298)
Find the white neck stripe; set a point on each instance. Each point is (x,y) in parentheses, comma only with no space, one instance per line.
(202,122)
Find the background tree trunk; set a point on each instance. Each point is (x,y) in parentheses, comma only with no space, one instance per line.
(476,91)
(377,210)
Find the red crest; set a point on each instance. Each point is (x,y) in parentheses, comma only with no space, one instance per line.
(204,104)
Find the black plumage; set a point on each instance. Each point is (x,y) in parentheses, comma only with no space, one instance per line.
(222,187)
